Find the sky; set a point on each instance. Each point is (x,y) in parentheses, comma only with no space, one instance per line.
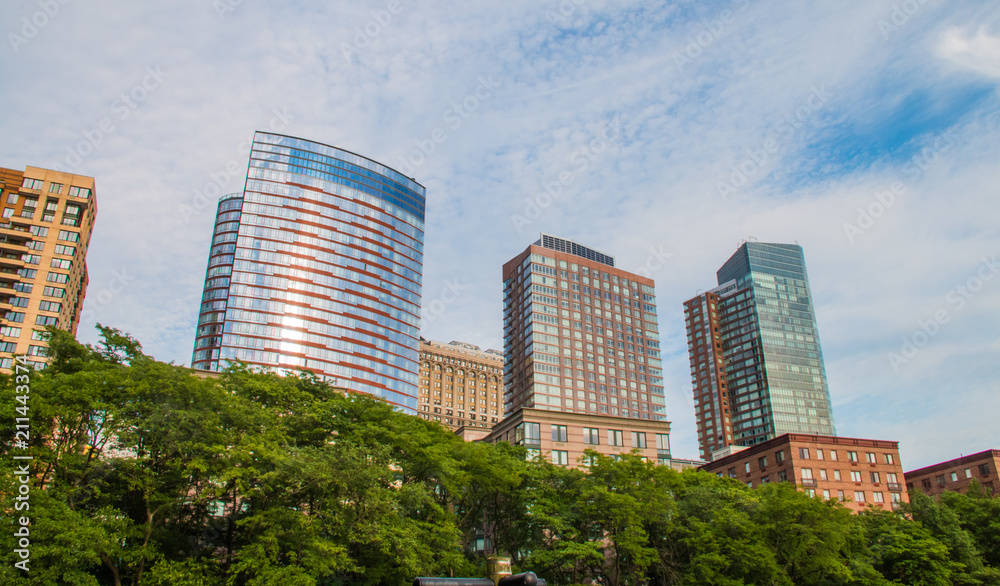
(663,133)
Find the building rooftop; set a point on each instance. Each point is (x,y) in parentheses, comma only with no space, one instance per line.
(568,246)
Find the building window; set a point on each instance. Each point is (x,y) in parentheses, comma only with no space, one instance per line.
(875,478)
(762,462)
(819,455)
(890,477)
(50,306)
(826,495)
(662,445)
(79,192)
(560,433)
(852,456)
(615,437)
(984,469)
(807,474)
(968,473)
(779,456)
(55,188)
(889,459)
(872,458)
(859,496)
(833,455)
(592,436)
(746,466)
(638,439)
(36,351)
(32,183)
(804,453)
(940,480)
(895,497)
(855,476)
(63,249)
(782,476)
(57,278)
(560,457)
(822,475)
(46,320)
(840,495)
(61,263)
(68,236)
(954,476)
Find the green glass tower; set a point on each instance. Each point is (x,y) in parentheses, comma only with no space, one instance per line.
(756,361)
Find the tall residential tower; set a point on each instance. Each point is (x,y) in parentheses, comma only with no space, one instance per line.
(580,335)
(317,266)
(756,363)
(47,220)
(581,357)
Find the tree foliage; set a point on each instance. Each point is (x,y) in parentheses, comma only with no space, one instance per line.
(143,473)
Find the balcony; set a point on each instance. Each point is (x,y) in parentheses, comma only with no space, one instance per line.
(809,482)
(894,486)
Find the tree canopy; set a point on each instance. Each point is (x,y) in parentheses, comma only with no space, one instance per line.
(144,473)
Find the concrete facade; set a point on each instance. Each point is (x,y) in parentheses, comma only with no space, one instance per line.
(460,385)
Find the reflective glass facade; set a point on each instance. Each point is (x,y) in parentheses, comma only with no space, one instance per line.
(317,265)
(756,362)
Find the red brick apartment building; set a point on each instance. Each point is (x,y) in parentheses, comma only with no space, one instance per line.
(859,472)
(955,475)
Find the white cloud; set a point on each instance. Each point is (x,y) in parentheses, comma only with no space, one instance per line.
(562,81)
(979,52)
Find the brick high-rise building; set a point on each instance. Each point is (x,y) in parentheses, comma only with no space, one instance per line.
(580,335)
(460,385)
(756,363)
(316,266)
(581,355)
(47,219)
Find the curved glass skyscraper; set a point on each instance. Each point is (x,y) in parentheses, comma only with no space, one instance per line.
(317,266)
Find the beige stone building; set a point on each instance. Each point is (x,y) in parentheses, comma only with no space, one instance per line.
(562,437)
(955,475)
(460,385)
(858,472)
(47,219)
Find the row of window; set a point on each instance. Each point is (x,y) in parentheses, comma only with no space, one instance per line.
(41,320)
(56,188)
(805,454)
(42,305)
(529,433)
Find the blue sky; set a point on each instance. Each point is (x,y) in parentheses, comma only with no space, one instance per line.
(808,113)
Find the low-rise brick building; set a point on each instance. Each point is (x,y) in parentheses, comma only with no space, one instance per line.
(955,475)
(858,472)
